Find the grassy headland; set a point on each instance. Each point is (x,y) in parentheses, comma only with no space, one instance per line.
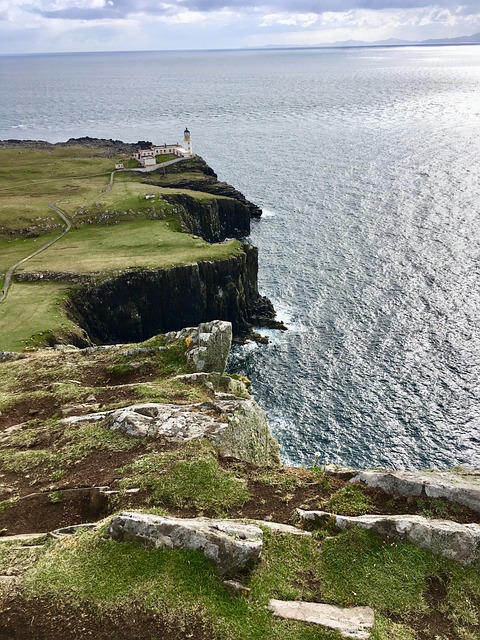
(56,473)
(113,229)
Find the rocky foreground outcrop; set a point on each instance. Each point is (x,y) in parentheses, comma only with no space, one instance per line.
(232,547)
(452,540)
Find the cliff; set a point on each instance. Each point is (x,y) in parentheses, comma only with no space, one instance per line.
(195,174)
(138,304)
(115,275)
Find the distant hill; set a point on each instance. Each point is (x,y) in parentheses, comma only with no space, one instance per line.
(390,42)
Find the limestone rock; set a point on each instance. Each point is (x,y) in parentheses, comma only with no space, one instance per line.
(452,540)
(461,487)
(236,427)
(237,588)
(7,356)
(230,546)
(355,622)
(279,527)
(208,346)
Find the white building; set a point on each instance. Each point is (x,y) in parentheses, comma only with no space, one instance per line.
(147,157)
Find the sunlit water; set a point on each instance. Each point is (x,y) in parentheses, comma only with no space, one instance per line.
(367,165)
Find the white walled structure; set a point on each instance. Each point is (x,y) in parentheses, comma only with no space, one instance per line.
(147,157)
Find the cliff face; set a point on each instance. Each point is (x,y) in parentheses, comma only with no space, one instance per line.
(213,220)
(139,304)
(195,174)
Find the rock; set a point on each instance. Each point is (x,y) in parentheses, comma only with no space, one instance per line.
(72,529)
(79,409)
(7,356)
(6,433)
(215,381)
(461,487)
(452,540)
(355,622)
(89,418)
(27,538)
(236,427)
(230,546)
(237,588)
(208,346)
(278,527)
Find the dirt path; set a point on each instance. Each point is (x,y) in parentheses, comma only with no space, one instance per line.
(68,226)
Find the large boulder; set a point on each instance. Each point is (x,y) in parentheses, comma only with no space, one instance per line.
(452,540)
(232,547)
(208,346)
(237,427)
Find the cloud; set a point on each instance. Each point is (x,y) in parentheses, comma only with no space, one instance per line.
(286,12)
(121,24)
(289,19)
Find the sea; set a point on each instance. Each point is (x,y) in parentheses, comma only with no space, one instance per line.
(366,164)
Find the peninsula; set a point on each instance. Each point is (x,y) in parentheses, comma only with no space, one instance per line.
(90,253)
(141,491)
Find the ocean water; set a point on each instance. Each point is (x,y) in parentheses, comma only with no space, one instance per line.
(366,162)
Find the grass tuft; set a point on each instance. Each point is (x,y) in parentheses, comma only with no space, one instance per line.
(191,478)
(350,500)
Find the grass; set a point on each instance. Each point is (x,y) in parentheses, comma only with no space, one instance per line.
(355,568)
(391,577)
(136,244)
(31,178)
(350,500)
(180,585)
(75,178)
(68,448)
(15,249)
(30,309)
(186,477)
(165,158)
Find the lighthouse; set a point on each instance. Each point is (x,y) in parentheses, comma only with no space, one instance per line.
(187,143)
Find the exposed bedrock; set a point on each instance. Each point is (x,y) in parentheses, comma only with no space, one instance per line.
(198,176)
(213,220)
(138,304)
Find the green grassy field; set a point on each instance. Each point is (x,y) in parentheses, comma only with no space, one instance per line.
(111,231)
(31,178)
(138,243)
(29,309)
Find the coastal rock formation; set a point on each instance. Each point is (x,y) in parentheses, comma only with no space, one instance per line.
(198,176)
(215,219)
(355,622)
(458,542)
(461,487)
(138,304)
(230,546)
(236,427)
(208,346)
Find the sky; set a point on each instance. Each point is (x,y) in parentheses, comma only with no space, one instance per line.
(44,26)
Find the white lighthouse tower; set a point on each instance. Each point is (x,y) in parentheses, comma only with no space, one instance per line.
(187,143)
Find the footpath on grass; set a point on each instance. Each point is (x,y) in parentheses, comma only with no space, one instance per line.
(68,225)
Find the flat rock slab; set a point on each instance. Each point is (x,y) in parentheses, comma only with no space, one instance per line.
(26,538)
(461,487)
(237,427)
(279,527)
(355,622)
(231,547)
(452,540)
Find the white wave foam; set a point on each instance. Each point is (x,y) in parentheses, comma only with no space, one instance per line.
(268,213)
